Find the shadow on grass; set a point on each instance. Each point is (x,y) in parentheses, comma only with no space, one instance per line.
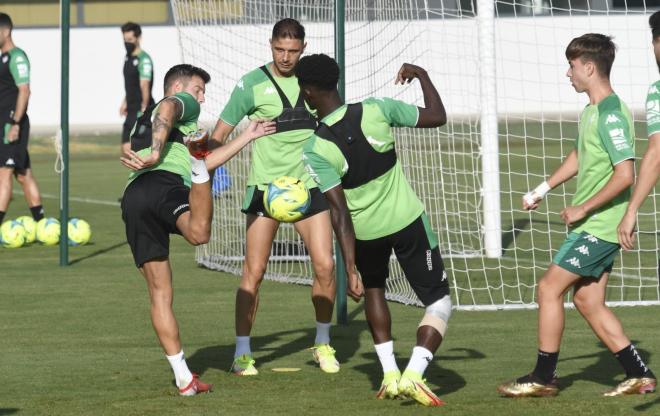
(98,252)
(271,347)
(346,340)
(646,406)
(8,411)
(448,381)
(606,370)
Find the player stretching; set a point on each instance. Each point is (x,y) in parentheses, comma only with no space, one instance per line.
(650,166)
(14,123)
(163,198)
(603,160)
(351,156)
(271,92)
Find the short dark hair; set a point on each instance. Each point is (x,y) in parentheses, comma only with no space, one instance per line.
(654,22)
(319,71)
(288,28)
(132,27)
(593,47)
(185,71)
(5,21)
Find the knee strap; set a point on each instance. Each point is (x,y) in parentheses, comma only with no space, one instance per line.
(437,315)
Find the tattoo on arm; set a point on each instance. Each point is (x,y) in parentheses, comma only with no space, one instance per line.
(178,107)
(164,121)
(160,130)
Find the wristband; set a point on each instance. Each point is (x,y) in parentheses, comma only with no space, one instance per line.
(537,194)
(199,172)
(542,189)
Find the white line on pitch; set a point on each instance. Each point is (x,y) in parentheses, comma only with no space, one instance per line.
(77,199)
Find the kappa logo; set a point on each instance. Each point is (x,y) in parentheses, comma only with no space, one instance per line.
(374,142)
(612,119)
(583,249)
(429,260)
(591,238)
(10,162)
(444,276)
(240,84)
(269,90)
(653,89)
(22,70)
(135,62)
(574,261)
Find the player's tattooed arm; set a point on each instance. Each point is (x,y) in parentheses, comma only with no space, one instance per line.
(169,111)
(343,226)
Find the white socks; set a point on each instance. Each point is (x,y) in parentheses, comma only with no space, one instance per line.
(242,346)
(322,333)
(385,353)
(199,172)
(182,374)
(421,358)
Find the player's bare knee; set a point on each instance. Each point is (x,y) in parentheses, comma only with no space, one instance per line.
(437,315)
(253,274)
(324,270)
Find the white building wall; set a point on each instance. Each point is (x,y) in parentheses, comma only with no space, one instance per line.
(530,65)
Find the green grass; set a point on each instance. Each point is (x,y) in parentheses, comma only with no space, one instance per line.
(77,340)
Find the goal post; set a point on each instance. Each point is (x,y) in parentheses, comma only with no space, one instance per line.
(512,117)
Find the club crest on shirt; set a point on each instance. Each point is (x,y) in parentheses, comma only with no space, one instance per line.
(5,59)
(135,62)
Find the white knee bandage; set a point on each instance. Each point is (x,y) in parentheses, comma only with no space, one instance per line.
(437,315)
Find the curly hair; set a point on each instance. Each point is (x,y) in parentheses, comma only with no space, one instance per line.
(319,71)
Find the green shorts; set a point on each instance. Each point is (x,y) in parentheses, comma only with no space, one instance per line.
(586,255)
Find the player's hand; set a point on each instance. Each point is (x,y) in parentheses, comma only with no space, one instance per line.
(354,289)
(12,134)
(133,161)
(571,215)
(123,109)
(407,73)
(259,128)
(531,201)
(626,231)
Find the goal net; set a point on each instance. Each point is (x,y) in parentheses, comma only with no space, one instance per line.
(500,69)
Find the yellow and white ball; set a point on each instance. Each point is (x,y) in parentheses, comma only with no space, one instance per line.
(30,226)
(286,199)
(12,234)
(79,232)
(48,231)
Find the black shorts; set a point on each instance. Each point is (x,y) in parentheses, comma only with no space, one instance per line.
(417,251)
(254,203)
(131,118)
(15,155)
(150,207)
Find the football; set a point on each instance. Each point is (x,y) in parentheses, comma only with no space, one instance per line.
(79,232)
(286,199)
(48,231)
(12,234)
(30,226)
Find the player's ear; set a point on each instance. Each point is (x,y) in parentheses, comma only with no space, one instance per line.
(590,68)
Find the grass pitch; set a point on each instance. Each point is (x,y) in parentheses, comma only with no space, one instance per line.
(77,340)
